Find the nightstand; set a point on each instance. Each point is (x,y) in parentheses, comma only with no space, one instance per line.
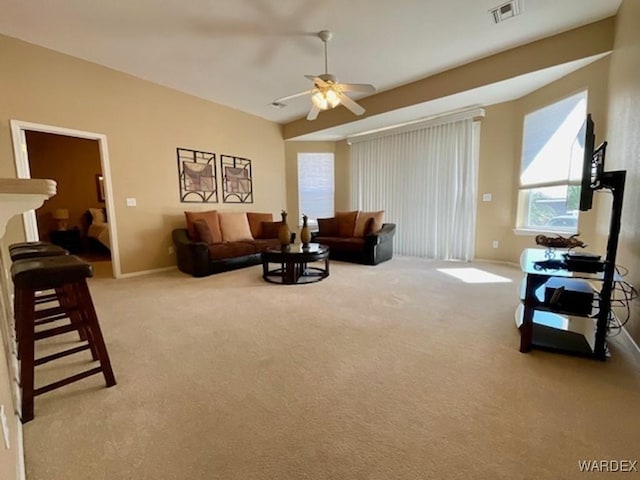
(67,239)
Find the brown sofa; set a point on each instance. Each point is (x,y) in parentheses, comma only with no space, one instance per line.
(215,241)
(357,236)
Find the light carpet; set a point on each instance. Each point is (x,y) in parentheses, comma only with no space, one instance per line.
(397,371)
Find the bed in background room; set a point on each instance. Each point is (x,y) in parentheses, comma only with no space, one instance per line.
(97,230)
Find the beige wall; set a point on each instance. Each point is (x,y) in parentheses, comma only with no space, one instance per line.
(144,124)
(498,164)
(623,134)
(499,169)
(73,163)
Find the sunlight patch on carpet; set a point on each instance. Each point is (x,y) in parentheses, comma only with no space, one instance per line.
(474,275)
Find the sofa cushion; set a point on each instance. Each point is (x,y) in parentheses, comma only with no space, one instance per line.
(262,244)
(328,227)
(220,251)
(211,217)
(368,222)
(255,222)
(346,223)
(352,244)
(234,226)
(203,231)
(269,230)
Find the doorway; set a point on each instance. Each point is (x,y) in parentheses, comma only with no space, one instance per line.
(75,188)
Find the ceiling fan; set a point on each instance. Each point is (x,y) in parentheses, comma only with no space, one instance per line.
(327,92)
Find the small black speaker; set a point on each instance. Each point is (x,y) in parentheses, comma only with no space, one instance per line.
(569,295)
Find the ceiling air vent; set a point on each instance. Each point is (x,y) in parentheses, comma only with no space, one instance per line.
(506,11)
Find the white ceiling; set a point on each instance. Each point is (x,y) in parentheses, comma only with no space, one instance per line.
(246,53)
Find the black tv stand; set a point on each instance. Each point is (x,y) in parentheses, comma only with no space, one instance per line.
(541,324)
(613,181)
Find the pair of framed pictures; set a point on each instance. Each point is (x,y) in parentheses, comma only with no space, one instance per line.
(198,177)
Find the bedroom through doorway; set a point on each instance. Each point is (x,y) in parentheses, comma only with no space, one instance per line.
(76,217)
(79,217)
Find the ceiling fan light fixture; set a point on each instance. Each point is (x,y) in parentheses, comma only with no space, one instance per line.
(326,98)
(332,97)
(327,92)
(319,100)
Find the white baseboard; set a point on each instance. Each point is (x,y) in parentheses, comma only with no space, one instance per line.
(633,342)
(500,262)
(146,272)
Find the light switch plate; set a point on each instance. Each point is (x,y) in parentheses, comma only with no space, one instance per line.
(131,202)
(486,197)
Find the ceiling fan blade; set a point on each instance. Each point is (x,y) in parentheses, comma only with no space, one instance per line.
(357,87)
(351,105)
(289,97)
(313,113)
(317,81)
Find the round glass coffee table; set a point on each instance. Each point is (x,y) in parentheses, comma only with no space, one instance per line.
(293,261)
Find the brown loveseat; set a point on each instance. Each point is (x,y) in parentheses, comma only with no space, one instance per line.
(215,241)
(356,236)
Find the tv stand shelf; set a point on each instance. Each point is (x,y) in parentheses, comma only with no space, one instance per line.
(544,326)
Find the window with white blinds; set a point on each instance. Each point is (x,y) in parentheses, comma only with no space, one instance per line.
(424,177)
(315,186)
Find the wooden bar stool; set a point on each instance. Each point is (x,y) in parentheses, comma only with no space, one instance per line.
(27,250)
(66,274)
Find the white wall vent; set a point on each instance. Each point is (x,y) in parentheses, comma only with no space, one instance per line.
(506,10)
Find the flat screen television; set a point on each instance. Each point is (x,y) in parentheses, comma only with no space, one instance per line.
(592,165)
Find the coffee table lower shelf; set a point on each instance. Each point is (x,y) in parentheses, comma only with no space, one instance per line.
(294,268)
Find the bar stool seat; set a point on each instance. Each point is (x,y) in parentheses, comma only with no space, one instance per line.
(67,274)
(35,250)
(28,244)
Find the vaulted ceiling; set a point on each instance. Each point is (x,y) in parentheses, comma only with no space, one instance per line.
(246,53)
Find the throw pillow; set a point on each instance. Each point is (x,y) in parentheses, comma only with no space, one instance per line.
(346,223)
(204,233)
(327,227)
(368,222)
(234,226)
(270,229)
(211,217)
(97,216)
(255,223)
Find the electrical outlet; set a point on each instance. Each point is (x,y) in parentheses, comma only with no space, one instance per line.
(171,250)
(5,427)
(131,202)
(486,197)
(496,244)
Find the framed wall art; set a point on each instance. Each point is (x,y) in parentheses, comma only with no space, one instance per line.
(197,176)
(237,184)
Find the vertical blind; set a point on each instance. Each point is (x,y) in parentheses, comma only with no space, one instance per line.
(315,186)
(426,182)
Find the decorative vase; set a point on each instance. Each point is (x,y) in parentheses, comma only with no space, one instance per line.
(305,233)
(284,234)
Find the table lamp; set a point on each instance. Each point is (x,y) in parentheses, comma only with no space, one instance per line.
(61,215)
